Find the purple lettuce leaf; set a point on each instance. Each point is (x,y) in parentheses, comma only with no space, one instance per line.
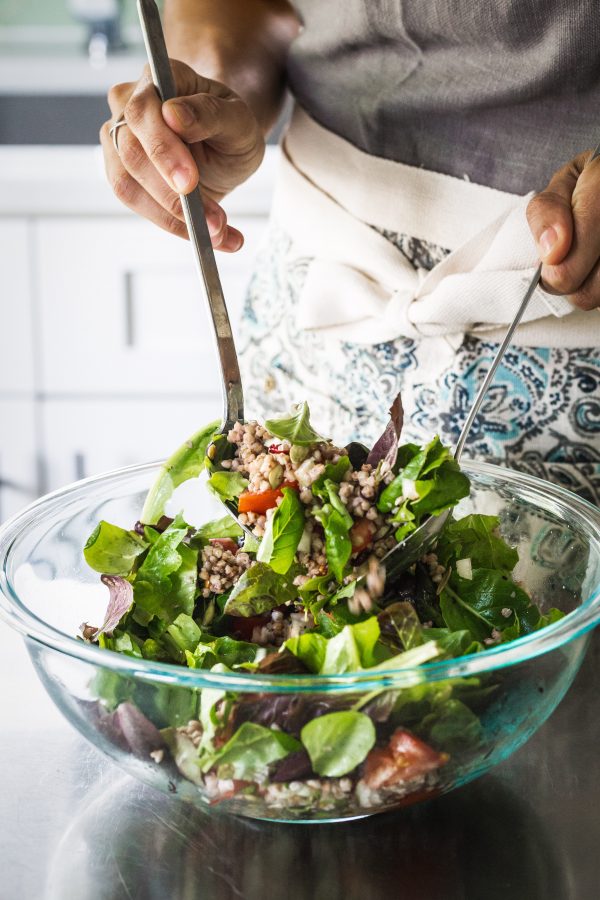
(386,447)
(119,603)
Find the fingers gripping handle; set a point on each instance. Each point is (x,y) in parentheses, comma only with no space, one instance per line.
(195,219)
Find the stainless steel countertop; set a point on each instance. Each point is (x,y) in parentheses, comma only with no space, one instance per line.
(74,827)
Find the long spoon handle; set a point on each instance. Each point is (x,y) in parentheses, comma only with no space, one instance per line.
(195,219)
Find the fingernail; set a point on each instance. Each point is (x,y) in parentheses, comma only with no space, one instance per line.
(183,112)
(547,240)
(180,179)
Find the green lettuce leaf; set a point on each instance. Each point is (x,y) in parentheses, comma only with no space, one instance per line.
(474,537)
(334,472)
(184,753)
(181,635)
(400,626)
(250,751)
(295,428)
(450,726)
(338,742)
(165,584)
(476,604)
(227,485)
(187,462)
(224,650)
(226,527)
(259,590)
(120,642)
(209,698)
(442,490)
(112,550)
(432,480)
(310,648)
(336,522)
(351,648)
(283,533)
(454,643)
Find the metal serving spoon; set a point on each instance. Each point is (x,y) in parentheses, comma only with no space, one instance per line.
(195,219)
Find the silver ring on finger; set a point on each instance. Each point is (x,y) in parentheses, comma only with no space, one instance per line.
(113,132)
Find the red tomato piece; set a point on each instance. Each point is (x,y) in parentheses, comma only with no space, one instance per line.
(275,448)
(362,534)
(406,757)
(261,502)
(225,543)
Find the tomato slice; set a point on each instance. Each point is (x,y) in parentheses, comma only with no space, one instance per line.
(362,534)
(405,758)
(225,543)
(261,502)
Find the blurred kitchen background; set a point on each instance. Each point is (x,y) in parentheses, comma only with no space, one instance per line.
(106,356)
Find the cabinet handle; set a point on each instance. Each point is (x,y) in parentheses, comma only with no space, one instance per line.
(79,463)
(129,311)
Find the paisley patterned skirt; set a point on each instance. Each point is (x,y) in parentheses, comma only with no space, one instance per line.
(542,415)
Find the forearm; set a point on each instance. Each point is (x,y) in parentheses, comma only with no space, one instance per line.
(242,43)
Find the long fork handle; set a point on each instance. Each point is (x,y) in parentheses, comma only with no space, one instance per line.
(195,219)
(496,362)
(460,446)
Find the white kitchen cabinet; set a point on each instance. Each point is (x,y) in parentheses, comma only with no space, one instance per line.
(16,334)
(122,311)
(106,352)
(86,437)
(18,465)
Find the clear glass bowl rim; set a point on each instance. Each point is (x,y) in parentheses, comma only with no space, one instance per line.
(18,617)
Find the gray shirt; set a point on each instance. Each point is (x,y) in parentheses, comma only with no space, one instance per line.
(502,92)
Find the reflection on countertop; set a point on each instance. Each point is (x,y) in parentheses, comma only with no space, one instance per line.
(483,842)
(72,825)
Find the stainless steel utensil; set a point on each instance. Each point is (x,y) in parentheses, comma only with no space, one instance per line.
(195,219)
(422,539)
(193,211)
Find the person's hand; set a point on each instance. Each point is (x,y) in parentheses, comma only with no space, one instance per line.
(565,222)
(208,135)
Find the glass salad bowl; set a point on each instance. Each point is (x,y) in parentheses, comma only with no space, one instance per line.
(431,728)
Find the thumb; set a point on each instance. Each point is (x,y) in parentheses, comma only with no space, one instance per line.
(225,121)
(550,218)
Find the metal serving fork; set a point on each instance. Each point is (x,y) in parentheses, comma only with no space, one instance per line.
(422,539)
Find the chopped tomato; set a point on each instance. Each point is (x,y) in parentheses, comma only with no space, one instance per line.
(362,534)
(225,543)
(275,448)
(261,502)
(405,758)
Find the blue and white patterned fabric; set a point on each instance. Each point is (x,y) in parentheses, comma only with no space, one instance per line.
(541,416)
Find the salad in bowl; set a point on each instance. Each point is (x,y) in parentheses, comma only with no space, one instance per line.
(294,593)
